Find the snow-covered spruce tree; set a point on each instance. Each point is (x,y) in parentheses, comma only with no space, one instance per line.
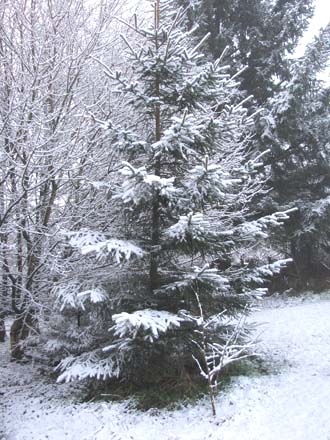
(178,219)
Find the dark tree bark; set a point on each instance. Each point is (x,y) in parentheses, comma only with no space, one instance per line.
(2,328)
(19,332)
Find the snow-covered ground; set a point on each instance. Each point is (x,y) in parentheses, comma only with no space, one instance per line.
(291,403)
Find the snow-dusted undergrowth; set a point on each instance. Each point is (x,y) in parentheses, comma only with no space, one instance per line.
(292,403)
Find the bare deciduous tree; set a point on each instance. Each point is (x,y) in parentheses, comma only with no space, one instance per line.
(50,85)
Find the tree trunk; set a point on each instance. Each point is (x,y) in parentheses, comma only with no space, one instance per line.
(2,328)
(19,331)
(155,225)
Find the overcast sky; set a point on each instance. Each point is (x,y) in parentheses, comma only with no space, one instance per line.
(322,14)
(321,18)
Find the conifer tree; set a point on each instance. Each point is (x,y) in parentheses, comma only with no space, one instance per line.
(260,34)
(300,123)
(179,217)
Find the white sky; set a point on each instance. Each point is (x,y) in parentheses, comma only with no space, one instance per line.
(322,14)
(321,18)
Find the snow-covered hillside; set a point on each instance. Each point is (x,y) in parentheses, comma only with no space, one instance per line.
(293,402)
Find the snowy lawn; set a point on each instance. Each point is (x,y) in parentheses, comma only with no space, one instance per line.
(291,403)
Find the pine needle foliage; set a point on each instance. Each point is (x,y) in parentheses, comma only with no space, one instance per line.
(180,204)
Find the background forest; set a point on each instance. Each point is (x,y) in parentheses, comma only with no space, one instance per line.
(160,174)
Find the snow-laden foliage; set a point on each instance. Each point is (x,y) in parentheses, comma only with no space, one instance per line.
(83,238)
(140,186)
(151,323)
(259,36)
(298,128)
(68,339)
(180,210)
(87,366)
(118,249)
(199,277)
(259,228)
(88,241)
(259,274)
(192,225)
(70,295)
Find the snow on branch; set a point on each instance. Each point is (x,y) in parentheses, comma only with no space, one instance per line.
(258,228)
(139,186)
(87,242)
(204,276)
(210,181)
(71,296)
(198,228)
(192,226)
(87,366)
(96,295)
(84,237)
(220,355)
(151,322)
(259,274)
(216,353)
(119,250)
(179,137)
(123,139)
